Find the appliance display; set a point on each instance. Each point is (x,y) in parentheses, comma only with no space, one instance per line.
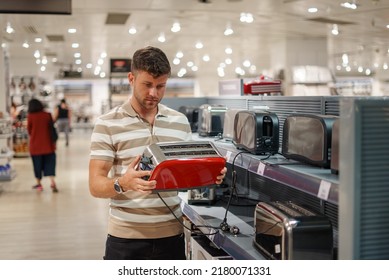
(182,165)
(256,132)
(264,85)
(192,113)
(307,138)
(211,120)
(287,231)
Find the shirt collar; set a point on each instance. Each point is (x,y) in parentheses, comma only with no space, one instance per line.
(162,110)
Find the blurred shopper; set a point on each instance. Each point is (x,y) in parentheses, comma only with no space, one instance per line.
(42,146)
(62,117)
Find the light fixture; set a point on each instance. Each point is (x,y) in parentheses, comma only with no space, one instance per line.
(132,30)
(77,55)
(349,5)
(72,30)
(9,29)
(26,45)
(161,38)
(246,17)
(312,10)
(180,54)
(75,45)
(335,30)
(176,61)
(206,58)
(199,45)
(176,27)
(228,50)
(38,40)
(228,30)
(37,54)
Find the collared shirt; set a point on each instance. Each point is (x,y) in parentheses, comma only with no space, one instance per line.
(118,137)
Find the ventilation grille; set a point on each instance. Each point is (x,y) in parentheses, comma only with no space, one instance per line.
(30,29)
(330,21)
(374,186)
(55,38)
(117,18)
(188,150)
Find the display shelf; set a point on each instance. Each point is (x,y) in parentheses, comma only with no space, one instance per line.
(8,177)
(313,180)
(240,246)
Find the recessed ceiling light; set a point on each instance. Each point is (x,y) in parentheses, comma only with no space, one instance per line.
(132,30)
(75,45)
(72,30)
(312,10)
(38,40)
(199,45)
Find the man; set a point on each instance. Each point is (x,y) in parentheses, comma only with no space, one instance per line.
(140,225)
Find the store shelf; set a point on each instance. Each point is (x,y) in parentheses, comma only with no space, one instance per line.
(316,181)
(239,246)
(8,177)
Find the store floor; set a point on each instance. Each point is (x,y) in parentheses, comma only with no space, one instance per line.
(68,225)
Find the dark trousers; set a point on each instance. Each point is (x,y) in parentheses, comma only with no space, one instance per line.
(44,165)
(169,248)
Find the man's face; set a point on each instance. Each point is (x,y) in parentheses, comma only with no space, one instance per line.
(147,90)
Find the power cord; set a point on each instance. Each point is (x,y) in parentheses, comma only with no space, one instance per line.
(198,226)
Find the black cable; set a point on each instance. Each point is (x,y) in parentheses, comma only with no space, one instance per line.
(181,223)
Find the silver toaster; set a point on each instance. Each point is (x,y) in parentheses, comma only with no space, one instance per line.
(211,120)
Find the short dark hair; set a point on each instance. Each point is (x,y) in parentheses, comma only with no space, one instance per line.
(152,60)
(34,105)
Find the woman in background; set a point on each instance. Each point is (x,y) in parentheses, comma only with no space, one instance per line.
(42,147)
(62,116)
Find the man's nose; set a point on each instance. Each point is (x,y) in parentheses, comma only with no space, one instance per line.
(153,91)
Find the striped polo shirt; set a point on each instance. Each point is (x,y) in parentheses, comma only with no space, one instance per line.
(119,136)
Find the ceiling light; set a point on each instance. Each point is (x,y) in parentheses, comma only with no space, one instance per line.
(26,45)
(72,30)
(246,17)
(206,58)
(228,61)
(349,5)
(161,38)
(102,75)
(367,72)
(335,30)
(100,61)
(77,55)
(37,54)
(194,68)
(43,68)
(38,40)
(89,65)
(189,63)
(75,45)
(9,29)
(246,63)
(179,54)
(312,10)
(176,61)
(78,61)
(175,27)
(132,30)
(228,51)
(38,61)
(385,66)
(103,55)
(228,31)
(360,69)
(44,60)
(199,45)
(54,59)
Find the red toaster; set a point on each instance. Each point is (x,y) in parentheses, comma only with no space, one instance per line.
(182,165)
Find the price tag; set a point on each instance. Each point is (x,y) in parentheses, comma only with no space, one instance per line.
(261,168)
(324,190)
(228,156)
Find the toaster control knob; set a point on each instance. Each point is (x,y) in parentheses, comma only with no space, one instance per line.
(267,142)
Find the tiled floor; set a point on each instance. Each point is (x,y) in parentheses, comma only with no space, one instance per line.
(68,225)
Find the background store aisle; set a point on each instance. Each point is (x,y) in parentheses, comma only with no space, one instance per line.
(66,225)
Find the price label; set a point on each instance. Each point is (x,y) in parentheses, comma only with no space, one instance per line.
(324,190)
(261,168)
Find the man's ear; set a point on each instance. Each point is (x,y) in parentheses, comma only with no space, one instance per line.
(131,78)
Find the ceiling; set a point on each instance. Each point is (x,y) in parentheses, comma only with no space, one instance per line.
(364,34)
